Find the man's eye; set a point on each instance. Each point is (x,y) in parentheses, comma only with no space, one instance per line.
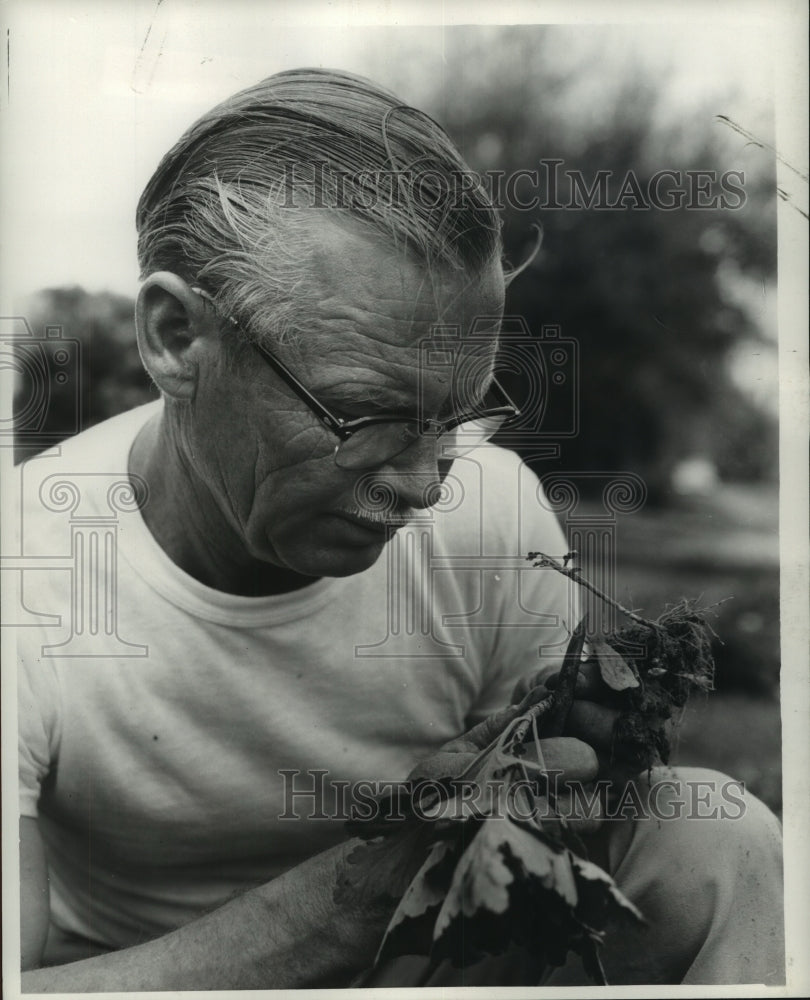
(354,411)
(341,412)
(366,408)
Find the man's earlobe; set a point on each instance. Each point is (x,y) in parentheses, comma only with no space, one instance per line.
(173,325)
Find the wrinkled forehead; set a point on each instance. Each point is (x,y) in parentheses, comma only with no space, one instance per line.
(380,317)
(363,284)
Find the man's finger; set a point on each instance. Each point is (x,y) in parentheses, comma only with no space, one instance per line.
(482,734)
(525,684)
(582,809)
(592,723)
(443,764)
(590,686)
(570,757)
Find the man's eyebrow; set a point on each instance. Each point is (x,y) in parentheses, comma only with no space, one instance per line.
(380,397)
(398,401)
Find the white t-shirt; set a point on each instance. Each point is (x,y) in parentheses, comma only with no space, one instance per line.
(158,716)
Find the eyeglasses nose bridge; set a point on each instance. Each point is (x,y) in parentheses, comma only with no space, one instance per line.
(437,427)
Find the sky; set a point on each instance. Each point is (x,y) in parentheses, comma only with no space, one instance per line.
(97,91)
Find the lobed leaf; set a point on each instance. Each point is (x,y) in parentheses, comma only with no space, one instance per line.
(410,931)
(599,896)
(615,670)
(506,875)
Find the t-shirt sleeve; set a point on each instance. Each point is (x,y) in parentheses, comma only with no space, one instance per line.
(37,700)
(539,607)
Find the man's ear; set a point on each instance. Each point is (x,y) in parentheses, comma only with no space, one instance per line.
(174,326)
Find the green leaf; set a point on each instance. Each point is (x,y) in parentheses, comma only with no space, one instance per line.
(410,931)
(599,896)
(516,885)
(507,884)
(615,670)
(474,919)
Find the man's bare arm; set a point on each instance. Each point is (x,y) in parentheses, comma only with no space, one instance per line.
(290,932)
(285,934)
(34,896)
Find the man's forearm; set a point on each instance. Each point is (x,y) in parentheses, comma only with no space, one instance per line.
(285,934)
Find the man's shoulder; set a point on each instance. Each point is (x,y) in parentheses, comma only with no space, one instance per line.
(492,494)
(84,476)
(489,471)
(101,444)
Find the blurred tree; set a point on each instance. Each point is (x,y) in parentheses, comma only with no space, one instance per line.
(111,376)
(643,290)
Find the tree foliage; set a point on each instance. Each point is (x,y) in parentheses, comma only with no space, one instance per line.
(648,294)
(108,377)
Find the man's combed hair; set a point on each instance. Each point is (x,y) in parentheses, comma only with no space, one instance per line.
(236,204)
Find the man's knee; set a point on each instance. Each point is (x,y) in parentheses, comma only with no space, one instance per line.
(702,860)
(696,824)
(62,947)
(703,807)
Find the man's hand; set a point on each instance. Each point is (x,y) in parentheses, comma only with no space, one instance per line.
(34,896)
(454,757)
(286,934)
(571,760)
(593,716)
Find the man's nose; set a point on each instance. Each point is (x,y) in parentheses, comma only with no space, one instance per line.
(415,475)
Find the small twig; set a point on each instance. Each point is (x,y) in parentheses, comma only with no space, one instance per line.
(597,968)
(524,723)
(714,604)
(566,683)
(574,574)
(761,143)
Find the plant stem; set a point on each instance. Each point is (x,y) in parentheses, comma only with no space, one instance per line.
(567,682)
(524,722)
(573,574)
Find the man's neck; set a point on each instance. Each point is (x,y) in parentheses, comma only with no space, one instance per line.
(186,523)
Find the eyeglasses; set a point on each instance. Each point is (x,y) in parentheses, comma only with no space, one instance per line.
(368,442)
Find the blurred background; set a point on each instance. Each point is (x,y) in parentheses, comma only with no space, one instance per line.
(674,312)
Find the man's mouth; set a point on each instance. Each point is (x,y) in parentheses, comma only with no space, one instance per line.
(378,523)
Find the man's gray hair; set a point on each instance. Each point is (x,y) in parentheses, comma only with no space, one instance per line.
(235,205)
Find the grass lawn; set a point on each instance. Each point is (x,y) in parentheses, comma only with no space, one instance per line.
(739,735)
(715,547)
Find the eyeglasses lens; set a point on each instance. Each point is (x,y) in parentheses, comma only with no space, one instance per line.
(374,445)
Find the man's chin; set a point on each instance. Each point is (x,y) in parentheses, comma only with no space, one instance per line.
(349,561)
(331,559)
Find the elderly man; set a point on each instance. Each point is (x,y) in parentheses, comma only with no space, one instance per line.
(296,594)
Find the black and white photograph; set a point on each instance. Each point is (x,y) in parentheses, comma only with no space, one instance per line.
(404,498)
